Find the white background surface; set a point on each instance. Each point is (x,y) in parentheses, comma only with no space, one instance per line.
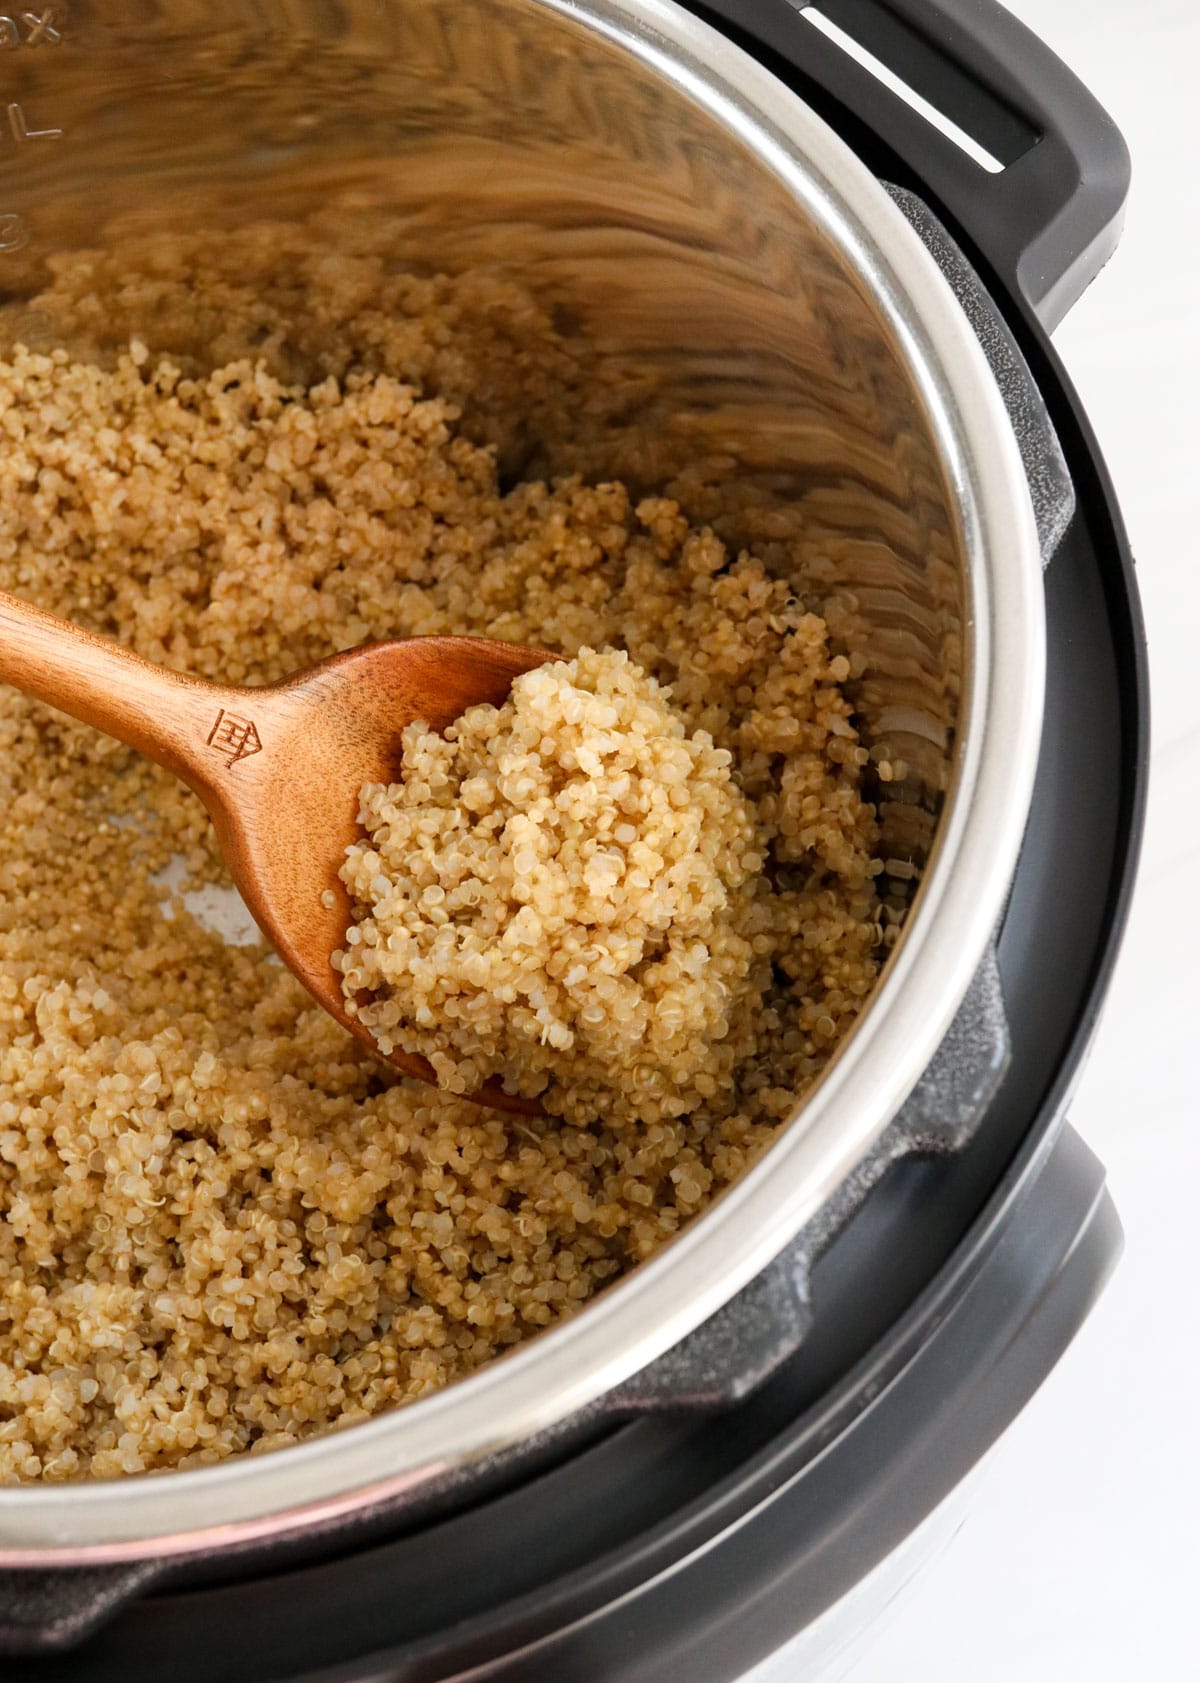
(1080,1557)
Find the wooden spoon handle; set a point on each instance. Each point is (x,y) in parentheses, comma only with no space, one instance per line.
(161,713)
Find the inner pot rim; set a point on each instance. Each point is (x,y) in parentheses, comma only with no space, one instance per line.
(559,1374)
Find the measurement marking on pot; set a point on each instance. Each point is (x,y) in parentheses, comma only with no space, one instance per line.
(42,28)
(32,29)
(21,131)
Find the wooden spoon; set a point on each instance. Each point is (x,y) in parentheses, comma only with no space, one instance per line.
(278,768)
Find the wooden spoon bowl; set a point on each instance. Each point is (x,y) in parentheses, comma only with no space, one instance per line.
(279,768)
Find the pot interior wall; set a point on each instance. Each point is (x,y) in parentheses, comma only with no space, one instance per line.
(714,330)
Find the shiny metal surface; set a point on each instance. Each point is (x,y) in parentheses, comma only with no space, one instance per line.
(752,300)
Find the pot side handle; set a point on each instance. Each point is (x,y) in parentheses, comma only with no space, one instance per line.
(1045,215)
(747,1342)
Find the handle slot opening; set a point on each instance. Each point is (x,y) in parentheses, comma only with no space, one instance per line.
(925,79)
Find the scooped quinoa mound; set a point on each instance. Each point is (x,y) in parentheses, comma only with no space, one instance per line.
(226,1227)
(562,892)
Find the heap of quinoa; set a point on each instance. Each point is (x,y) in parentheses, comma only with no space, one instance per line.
(226,1227)
(563,892)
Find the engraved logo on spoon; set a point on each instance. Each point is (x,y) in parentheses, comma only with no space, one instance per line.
(236,737)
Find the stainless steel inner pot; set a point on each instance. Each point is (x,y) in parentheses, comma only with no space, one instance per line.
(752,294)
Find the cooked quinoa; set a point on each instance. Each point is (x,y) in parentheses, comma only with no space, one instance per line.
(564,892)
(226,1226)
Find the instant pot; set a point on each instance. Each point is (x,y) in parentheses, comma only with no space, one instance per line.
(825,247)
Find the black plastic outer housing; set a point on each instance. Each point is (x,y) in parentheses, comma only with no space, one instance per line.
(1043,226)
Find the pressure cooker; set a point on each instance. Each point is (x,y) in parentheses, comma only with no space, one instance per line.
(832,241)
